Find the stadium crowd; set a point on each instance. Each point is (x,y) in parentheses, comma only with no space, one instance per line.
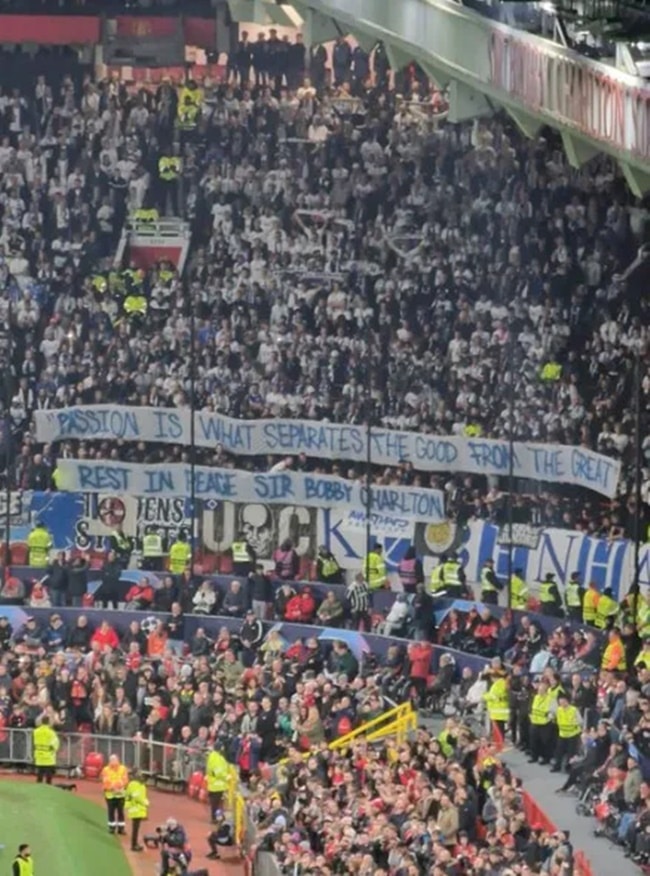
(331,222)
(438,800)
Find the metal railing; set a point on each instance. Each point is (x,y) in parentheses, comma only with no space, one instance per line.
(163,227)
(163,762)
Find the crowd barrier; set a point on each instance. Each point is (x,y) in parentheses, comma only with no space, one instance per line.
(164,764)
(535,815)
(382,599)
(360,643)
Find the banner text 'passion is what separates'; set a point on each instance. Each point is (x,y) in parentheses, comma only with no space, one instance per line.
(554,463)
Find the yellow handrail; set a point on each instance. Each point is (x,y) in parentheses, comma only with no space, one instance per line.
(398,721)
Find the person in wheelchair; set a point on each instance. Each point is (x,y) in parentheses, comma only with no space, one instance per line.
(442,686)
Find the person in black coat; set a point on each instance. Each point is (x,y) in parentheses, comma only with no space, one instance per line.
(77,581)
(250,635)
(109,590)
(80,635)
(57,581)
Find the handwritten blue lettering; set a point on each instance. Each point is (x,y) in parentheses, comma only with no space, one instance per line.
(218,430)
(111,478)
(329,491)
(212,484)
(273,487)
(168,426)
(435,450)
(590,469)
(548,462)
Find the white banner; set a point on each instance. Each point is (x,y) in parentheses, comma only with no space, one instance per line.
(321,491)
(539,462)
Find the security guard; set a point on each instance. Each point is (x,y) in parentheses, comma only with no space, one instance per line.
(243,557)
(518,591)
(188,115)
(497,700)
(549,597)
(453,577)
(540,723)
(436,581)
(169,171)
(551,372)
(590,603)
(573,595)
(146,217)
(122,545)
(133,279)
(375,569)
(135,306)
(23,864)
(569,728)
(327,568)
(490,584)
(217,780)
(46,744)
(115,780)
(606,610)
(614,657)
(137,807)
(39,542)
(169,168)
(180,555)
(99,283)
(152,550)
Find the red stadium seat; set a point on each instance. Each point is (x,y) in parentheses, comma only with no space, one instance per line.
(93,765)
(19,554)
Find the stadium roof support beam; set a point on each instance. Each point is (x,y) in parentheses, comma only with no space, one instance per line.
(318,28)
(500,62)
(528,124)
(466,103)
(578,151)
(637,179)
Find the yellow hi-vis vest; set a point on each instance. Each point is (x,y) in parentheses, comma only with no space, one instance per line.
(240,552)
(545,591)
(518,592)
(46,745)
(572,595)
(486,585)
(540,709)
(150,216)
(99,283)
(152,546)
(135,305)
(606,608)
(39,542)
(329,567)
(137,801)
(436,582)
(450,574)
(590,601)
(551,372)
(375,569)
(569,723)
(498,701)
(217,773)
(180,553)
(169,168)
(188,116)
(25,865)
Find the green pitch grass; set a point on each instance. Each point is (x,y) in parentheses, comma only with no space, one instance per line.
(67,834)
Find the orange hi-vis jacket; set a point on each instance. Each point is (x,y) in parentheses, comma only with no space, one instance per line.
(114,781)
